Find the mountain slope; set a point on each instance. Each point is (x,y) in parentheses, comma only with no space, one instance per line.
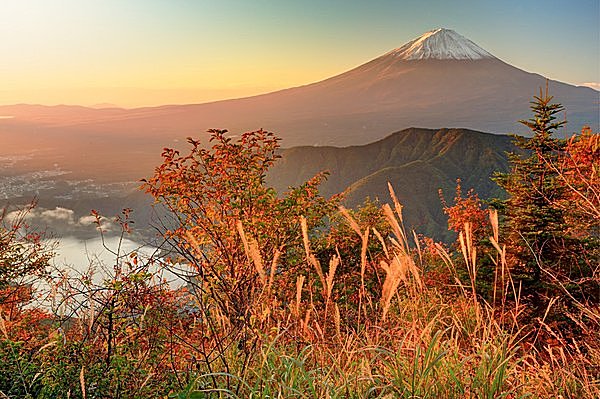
(438,79)
(418,162)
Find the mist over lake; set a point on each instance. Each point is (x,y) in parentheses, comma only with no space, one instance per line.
(98,255)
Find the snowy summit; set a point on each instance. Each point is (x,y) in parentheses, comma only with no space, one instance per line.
(441,44)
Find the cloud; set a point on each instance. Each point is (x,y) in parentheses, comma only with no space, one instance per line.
(62,221)
(59,214)
(105,223)
(593,85)
(87,220)
(48,216)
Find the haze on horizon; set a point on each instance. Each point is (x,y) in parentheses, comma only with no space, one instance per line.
(155,52)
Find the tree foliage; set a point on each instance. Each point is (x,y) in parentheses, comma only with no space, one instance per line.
(224,210)
(23,254)
(547,243)
(466,209)
(579,171)
(534,225)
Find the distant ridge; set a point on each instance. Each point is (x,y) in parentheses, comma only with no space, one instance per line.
(418,162)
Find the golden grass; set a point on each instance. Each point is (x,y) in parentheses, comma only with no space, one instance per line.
(309,255)
(423,344)
(253,252)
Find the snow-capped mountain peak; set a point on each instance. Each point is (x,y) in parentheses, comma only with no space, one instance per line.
(440,44)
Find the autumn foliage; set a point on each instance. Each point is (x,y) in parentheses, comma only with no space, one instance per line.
(469,209)
(292,295)
(231,228)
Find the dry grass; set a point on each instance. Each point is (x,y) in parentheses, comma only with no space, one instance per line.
(422,343)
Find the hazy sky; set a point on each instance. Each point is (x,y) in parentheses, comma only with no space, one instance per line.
(150,52)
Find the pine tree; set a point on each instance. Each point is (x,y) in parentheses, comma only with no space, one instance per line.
(536,227)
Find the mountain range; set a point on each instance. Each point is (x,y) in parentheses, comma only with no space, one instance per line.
(440,79)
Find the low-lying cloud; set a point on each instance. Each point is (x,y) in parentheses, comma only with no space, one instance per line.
(58,213)
(64,222)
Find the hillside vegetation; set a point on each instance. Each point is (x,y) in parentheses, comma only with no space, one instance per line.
(420,161)
(293,295)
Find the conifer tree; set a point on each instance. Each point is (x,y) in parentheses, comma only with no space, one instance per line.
(535,227)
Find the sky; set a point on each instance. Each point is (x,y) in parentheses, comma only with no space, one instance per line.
(134,53)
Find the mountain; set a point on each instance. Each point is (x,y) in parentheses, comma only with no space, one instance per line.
(438,79)
(440,44)
(418,162)
(71,154)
